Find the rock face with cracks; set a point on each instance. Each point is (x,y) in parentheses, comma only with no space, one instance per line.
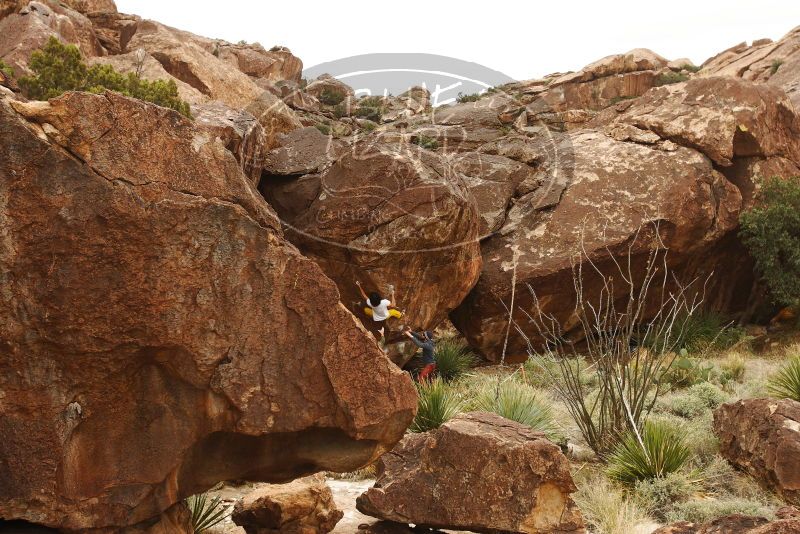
(386,214)
(762,438)
(685,157)
(477,472)
(158,334)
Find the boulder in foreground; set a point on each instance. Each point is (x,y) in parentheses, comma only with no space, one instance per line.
(762,438)
(159,334)
(304,506)
(476,472)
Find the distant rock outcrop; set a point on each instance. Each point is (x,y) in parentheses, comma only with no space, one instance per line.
(477,472)
(159,334)
(766,61)
(762,438)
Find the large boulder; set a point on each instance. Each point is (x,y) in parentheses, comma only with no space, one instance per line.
(685,157)
(762,438)
(159,334)
(476,472)
(597,85)
(766,61)
(303,506)
(386,214)
(28,30)
(275,65)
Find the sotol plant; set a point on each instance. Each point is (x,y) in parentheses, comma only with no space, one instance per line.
(437,403)
(518,402)
(59,68)
(453,359)
(205,513)
(785,384)
(661,451)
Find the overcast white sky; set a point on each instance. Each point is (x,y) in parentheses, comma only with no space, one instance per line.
(521,39)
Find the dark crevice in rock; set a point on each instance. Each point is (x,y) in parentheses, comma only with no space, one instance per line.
(182,71)
(277,457)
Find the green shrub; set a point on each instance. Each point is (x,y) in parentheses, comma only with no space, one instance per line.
(708,329)
(696,400)
(340,110)
(697,432)
(704,510)
(733,368)
(453,359)
(661,452)
(368,126)
(691,68)
(668,78)
(721,479)
(329,97)
(205,514)
(685,372)
(540,371)
(776,64)
(701,331)
(663,493)
(785,384)
(428,143)
(771,232)
(7,70)
(59,68)
(324,128)
(437,403)
(518,402)
(369,113)
(462,98)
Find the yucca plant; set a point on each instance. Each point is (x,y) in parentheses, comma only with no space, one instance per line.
(519,402)
(660,451)
(785,384)
(437,403)
(205,513)
(453,359)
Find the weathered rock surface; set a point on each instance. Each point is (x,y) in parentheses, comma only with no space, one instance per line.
(386,214)
(762,438)
(92,7)
(476,472)
(612,78)
(303,151)
(736,524)
(240,132)
(329,85)
(467,126)
(23,32)
(303,506)
(157,331)
(685,155)
(775,63)
(274,65)
(150,69)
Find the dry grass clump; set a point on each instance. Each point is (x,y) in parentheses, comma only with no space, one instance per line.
(608,508)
